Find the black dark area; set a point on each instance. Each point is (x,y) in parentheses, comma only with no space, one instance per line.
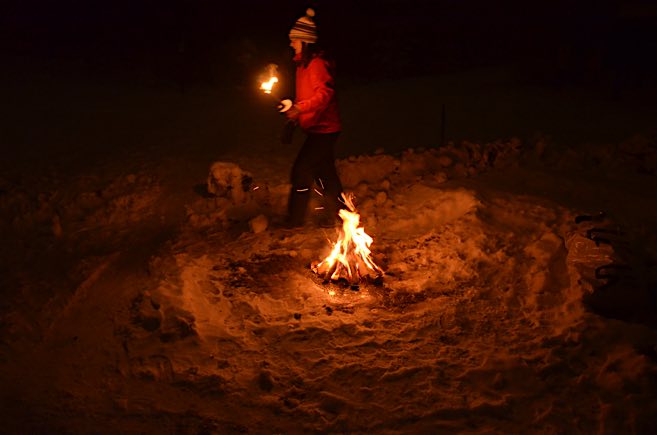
(76,73)
(187,42)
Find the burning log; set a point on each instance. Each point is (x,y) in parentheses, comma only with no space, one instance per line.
(350,258)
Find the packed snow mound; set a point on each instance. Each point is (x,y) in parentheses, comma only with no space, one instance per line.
(475,296)
(237,195)
(220,325)
(87,205)
(227,179)
(419,209)
(367,169)
(448,162)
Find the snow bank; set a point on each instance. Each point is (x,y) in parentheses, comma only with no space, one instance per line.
(482,323)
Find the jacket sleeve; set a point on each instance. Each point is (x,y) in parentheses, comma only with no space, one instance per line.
(323,85)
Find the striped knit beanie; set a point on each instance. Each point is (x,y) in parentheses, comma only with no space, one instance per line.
(305,29)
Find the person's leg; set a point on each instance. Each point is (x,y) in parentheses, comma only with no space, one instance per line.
(328,176)
(302,177)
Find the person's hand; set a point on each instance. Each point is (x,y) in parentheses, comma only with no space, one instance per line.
(284,105)
(290,110)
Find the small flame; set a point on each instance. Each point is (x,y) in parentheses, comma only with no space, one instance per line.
(269,84)
(270,78)
(350,257)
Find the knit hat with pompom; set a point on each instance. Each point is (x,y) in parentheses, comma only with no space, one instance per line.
(305,29)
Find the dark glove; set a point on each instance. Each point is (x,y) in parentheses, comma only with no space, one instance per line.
(288,131)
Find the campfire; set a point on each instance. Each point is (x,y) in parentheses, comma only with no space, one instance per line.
(350,258)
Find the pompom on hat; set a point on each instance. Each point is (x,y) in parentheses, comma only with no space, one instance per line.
(305,29)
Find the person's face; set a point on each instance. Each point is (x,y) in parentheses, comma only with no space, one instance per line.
(296,45)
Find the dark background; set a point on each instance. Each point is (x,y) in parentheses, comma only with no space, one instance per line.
(85,81)
(201,41)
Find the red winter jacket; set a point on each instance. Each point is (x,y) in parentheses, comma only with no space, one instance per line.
(315,96)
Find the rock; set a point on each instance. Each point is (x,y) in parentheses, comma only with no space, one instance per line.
(131,178)
(259,224)
(385,184)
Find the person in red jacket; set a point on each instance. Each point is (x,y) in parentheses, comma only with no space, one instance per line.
(315,109)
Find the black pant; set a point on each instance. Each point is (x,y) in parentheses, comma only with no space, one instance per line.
(315,163)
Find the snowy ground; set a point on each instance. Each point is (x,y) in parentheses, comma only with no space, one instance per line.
(133,302)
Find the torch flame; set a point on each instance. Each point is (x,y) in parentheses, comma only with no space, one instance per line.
(269,78)
(269,84)
(350,257)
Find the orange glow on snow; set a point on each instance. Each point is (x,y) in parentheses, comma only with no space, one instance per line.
(350,257)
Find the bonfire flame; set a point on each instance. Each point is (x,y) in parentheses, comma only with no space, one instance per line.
(267,85)
(350,257)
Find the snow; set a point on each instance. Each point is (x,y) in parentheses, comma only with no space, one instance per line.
(135,303)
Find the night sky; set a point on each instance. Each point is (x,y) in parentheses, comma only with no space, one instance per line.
(205,41)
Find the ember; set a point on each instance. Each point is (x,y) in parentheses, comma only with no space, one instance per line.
(350,258)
